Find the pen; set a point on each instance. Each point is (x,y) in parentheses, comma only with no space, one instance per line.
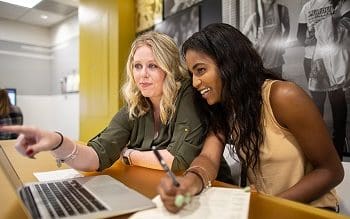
(165,167)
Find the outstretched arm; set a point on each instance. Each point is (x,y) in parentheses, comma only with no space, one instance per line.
(295,110)
(33,140)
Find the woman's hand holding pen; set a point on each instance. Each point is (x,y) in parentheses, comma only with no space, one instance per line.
(32,140)
(171,195)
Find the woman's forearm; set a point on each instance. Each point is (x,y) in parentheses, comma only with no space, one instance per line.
(206,168)
(148,159)
(77,156)
(312,186)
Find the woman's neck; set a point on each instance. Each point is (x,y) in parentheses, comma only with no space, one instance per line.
(156,119)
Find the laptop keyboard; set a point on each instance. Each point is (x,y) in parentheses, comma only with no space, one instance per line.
(65,198)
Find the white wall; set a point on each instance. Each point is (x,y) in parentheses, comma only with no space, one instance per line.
(65,31)
(25,57)
(65,52)
(33,60)
(24,33)
(54,112)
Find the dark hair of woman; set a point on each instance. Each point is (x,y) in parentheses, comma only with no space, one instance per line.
(4,103)
(238,115)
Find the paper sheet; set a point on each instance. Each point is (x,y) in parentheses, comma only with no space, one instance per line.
(57,175)
(216,202)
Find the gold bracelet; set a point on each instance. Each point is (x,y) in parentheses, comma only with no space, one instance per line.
(203,173)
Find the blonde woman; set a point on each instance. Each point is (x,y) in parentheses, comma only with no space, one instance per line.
(159,111)
(9,115)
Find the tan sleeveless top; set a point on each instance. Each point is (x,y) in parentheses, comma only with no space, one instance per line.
(282,161)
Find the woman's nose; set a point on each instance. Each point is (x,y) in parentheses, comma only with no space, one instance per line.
(144,73)
(196,82)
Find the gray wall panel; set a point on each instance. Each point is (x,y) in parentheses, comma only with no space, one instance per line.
(31,76)
(65,61)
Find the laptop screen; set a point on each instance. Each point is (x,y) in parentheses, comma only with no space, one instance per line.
(12,93)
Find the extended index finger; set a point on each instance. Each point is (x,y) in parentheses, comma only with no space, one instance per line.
(17,129)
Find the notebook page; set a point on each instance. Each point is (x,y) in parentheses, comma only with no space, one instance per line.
(57,175)
(215,202)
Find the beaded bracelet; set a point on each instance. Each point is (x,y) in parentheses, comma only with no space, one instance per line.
(59,144)
(203,172)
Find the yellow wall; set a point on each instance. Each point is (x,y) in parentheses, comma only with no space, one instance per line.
(107,29)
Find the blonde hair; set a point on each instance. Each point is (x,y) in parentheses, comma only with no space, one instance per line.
(167,57)
(4,103)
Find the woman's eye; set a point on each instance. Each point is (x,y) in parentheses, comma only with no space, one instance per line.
(138,66)
(152,66)
(200,71)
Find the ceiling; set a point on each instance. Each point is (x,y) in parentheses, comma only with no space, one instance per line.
(55,10)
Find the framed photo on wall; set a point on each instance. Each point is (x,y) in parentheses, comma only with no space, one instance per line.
(181,25)
(272,27)
(174,6)
(148,13)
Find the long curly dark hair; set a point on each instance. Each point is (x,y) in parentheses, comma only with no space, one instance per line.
(238,115)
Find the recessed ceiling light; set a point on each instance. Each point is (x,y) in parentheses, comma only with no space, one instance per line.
(23,3)
(43,16)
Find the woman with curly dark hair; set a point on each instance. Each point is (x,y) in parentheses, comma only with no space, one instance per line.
(273,125)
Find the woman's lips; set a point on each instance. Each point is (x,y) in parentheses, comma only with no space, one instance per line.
(204,92)
(145,84)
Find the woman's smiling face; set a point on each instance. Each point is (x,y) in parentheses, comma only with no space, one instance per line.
(206,75)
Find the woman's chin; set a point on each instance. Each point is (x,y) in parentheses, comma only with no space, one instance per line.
(210,102)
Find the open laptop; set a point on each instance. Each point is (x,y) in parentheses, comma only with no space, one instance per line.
(84,197)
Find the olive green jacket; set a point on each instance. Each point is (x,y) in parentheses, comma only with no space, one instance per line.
(182,136)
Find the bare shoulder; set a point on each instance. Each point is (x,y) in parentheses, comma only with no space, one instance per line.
(286,91)
(288,101)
